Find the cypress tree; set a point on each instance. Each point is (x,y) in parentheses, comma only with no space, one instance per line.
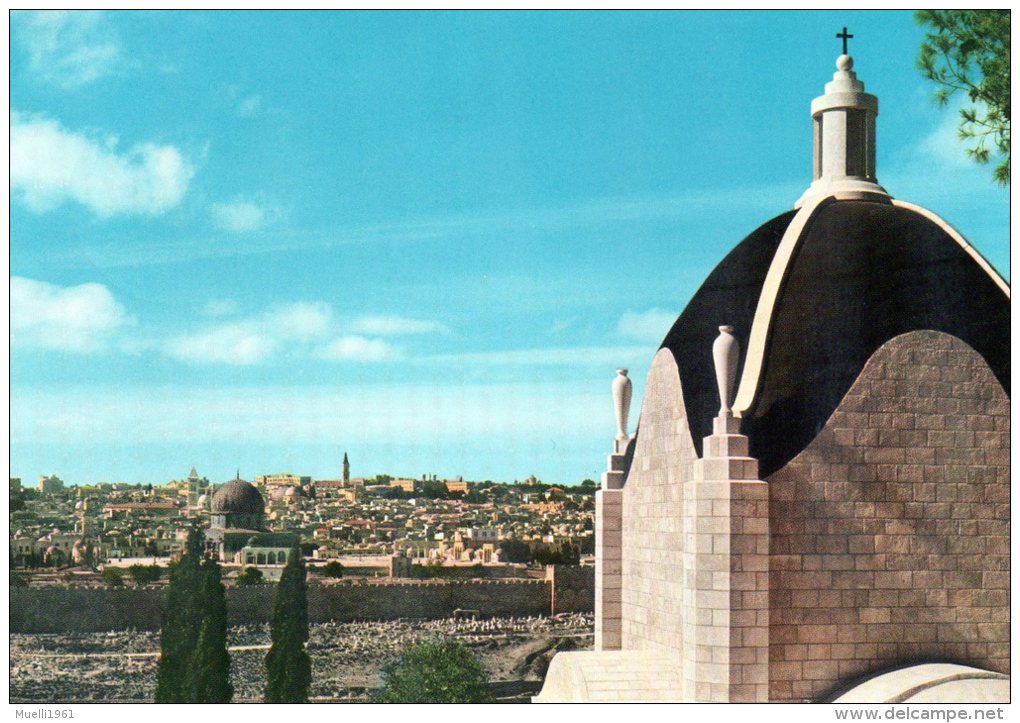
(207,679)
(288,665)
(194,666)
(181,622)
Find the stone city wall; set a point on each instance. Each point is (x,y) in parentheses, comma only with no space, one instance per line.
(58,610)
(890,532)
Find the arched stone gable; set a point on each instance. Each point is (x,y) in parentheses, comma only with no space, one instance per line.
(654,554)
(890,530)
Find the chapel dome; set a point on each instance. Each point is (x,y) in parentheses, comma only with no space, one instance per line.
(811,295)
(237,497)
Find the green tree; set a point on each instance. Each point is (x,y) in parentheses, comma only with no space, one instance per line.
(250,576)
(515,551)
(288,665)
(113,576)
(194,664)
(88,554)
(144,574)
(433,489)
(181,621)
(207,679)
(439,671)
(968,51)
(333,568)
(18,580)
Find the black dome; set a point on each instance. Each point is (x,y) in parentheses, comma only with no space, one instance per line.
(238,497)
(862,273)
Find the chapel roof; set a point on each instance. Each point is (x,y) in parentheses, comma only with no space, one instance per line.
(812,295)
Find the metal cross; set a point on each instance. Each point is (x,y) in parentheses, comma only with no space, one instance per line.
(845,36)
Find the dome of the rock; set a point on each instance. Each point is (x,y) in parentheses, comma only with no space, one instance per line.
(237,497)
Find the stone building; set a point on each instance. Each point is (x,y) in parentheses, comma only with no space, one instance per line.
(277,485)
(197,488)
(818,489)
(50,484)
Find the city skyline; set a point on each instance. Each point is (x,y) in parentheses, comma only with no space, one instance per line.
(257,240)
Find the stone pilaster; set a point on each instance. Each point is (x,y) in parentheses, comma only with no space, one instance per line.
(608,551)
(728,661)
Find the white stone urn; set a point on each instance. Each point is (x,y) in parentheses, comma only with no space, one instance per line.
(622,390)
(725,353)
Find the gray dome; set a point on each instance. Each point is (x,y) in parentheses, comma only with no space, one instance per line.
(862,273)
(238,497)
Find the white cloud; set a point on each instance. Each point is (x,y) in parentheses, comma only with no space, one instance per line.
(238,344)
(51,165)
(302,320)
(357,348)
(249,106)
(69,48)
(80,318)
(943,145)
(291,330)
(240,216)
(647,326)
(396,326)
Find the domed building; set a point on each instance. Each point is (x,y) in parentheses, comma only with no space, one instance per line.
(237,522)
(238,504)
(818,489)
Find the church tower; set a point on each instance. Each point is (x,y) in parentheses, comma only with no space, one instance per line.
(197,486)
(346,473)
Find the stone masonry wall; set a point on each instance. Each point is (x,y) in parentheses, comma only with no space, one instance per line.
(890,531)
(655,563)
(54,610)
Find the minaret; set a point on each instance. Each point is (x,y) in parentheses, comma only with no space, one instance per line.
(346,471)
(844,138)
(193,490)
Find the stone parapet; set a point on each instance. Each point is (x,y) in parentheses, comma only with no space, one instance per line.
(726,659)
(608,568)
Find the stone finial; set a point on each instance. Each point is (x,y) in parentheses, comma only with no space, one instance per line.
(844,138)
(622,390)
(725,354)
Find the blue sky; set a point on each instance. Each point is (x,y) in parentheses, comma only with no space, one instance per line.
(257,240)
